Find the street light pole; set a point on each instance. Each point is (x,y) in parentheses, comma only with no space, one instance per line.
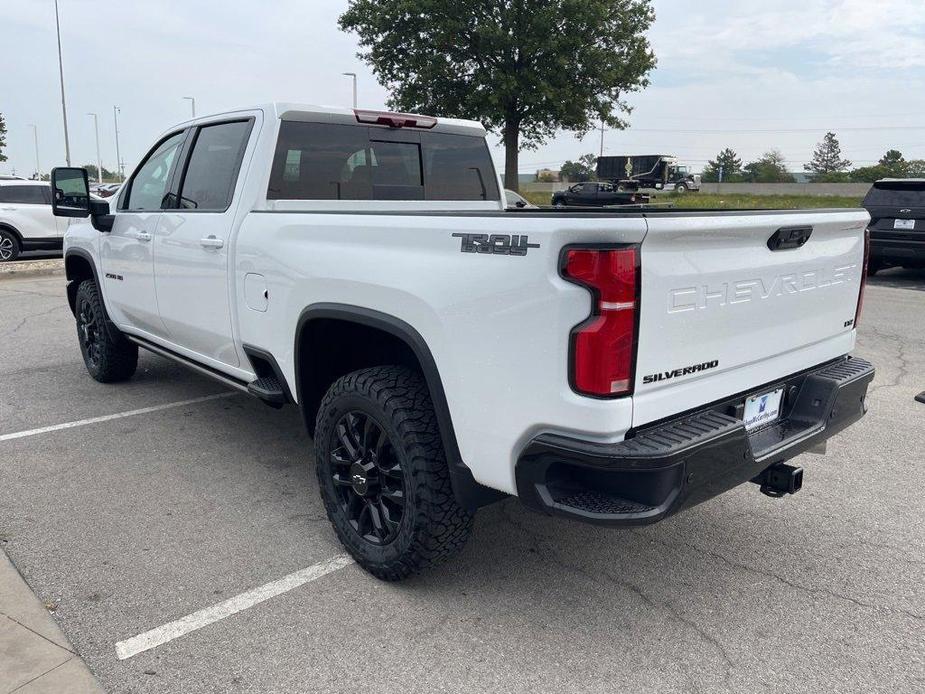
(38,169)
(354,76)
(67,144)
(99,163)
(192,101)
(115,120)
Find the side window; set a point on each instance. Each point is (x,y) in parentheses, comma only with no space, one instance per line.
(23,195)
(149,184)
(212,171)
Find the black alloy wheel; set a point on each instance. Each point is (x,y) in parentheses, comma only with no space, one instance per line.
(89,332)
(368,477)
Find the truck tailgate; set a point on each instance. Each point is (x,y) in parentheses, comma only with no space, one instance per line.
(721,313)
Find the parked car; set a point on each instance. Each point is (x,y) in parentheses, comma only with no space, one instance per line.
(897,223)
(512,199)
(604,365)
(26,219)
(595,194)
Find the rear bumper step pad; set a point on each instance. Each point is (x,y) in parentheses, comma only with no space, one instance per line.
(681,462)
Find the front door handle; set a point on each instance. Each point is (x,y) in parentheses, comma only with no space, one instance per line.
(211,241)
(143,236)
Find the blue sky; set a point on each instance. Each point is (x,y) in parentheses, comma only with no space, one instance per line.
(747,75)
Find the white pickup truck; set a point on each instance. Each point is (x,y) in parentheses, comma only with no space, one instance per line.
(606,366)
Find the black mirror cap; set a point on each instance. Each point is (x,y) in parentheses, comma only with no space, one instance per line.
(76,204)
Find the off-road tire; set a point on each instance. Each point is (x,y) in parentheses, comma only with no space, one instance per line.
(108,355)
(433,526)
(10,246)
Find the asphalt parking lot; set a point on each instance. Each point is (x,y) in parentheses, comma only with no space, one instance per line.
(129,523)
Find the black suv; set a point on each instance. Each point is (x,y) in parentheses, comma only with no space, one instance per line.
(595,194)
(897,223)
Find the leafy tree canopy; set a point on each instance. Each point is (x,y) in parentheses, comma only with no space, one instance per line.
(769,168)
(827,159)
(730,163)
(585,169)
(891,165)
(107,174)
(524,68)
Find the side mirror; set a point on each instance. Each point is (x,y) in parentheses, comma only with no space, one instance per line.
(70,192)
(520,203)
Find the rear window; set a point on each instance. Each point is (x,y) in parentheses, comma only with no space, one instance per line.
(325,161)
(896,195)
(25,195)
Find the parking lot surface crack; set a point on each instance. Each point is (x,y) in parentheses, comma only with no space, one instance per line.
(788,582)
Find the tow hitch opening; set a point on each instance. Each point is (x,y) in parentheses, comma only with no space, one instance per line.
(780,479)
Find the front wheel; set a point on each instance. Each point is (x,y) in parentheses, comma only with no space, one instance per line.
(383,474)
(9,246)
(680,188)
(108,355)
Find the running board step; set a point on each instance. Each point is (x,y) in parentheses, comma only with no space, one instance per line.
(268,389)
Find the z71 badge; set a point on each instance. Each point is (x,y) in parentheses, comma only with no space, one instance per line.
(499,244)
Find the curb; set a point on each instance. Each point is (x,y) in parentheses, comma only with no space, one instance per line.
(31,268)
(35,655)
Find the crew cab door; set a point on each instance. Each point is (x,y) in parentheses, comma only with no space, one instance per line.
(191,245)
(126,252)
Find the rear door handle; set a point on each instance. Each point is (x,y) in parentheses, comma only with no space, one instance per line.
(211,241)
(143,236)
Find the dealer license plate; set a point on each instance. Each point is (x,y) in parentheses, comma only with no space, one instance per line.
(762,409)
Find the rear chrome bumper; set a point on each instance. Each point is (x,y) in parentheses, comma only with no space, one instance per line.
(678,463)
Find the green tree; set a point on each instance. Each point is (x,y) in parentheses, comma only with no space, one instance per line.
(2,137)
(524,68)
(915,168)
(769,168)
(891,165)
(107,174)
(730,163)
(585,169)
(827,164)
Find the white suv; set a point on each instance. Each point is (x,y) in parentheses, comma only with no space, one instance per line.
(26,221)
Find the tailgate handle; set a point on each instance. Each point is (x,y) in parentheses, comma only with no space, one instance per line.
(789,237)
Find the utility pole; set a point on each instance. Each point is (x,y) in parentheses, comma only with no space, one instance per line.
(192,101)
(354,76)
(99,163)
(38,168)
(115,120)
(602,138)
(67,144)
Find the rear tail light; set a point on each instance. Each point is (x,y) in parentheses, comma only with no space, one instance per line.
(603,347)
(857,313)
(394,120)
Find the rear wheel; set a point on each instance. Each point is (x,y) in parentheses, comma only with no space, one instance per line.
(9,246)
(383,474)
(108,355)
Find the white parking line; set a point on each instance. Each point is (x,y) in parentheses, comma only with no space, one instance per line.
(226,608)
(110,417)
